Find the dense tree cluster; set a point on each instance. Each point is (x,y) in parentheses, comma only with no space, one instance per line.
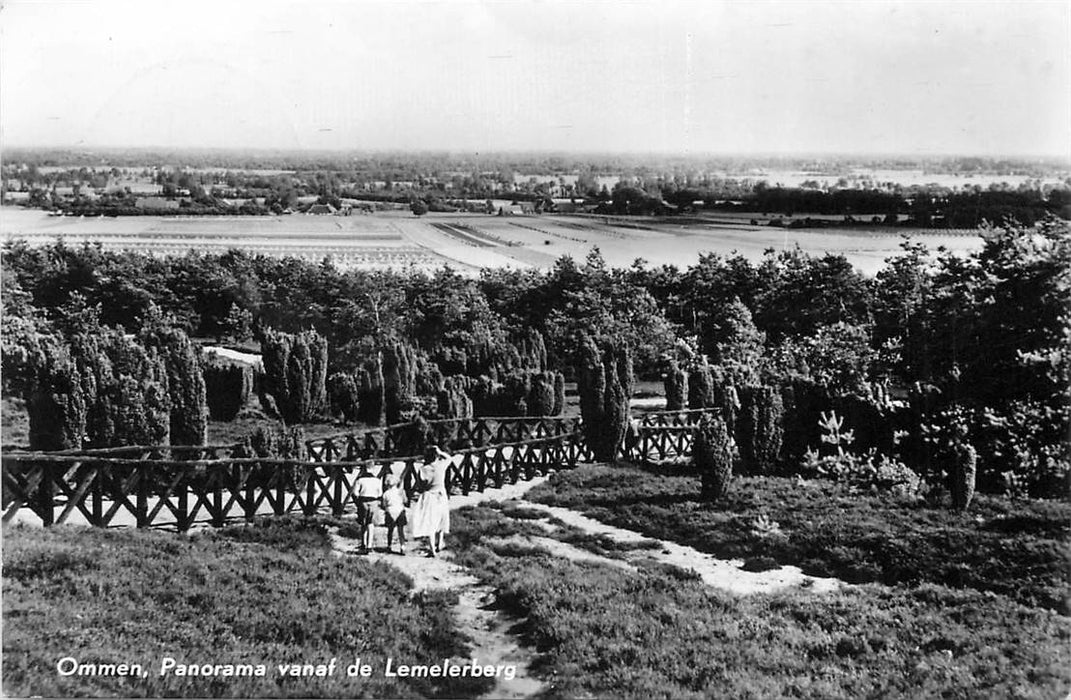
(974,345)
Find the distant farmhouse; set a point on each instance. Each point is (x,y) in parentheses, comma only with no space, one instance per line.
(156,203)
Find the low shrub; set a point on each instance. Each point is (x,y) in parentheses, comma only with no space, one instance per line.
(713,455)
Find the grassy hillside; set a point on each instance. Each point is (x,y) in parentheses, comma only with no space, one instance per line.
(1021,549)
(658,632)
(272,594)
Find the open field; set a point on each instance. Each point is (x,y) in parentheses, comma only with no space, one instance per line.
(468,242)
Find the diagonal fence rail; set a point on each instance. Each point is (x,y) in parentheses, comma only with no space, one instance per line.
(105,491)
(183,486)
(452,434)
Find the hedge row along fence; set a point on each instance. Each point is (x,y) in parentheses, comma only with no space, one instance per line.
(181,486)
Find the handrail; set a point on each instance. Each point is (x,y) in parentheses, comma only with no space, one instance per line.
(176,493)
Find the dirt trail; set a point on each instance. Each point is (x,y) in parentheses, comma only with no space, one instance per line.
(491,631)
(493,641)
(724,574)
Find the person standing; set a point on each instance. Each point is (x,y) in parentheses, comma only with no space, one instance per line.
(431,515)
(394,511)
(369,491)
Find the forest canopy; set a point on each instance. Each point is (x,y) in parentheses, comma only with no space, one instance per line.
(983,338)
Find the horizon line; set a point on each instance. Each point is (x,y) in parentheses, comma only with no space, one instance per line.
(690,154)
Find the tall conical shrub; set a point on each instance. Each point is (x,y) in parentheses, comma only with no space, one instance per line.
(541,394)
(452,400)
(676,385)
(532,350)
(486,397)
(700,386)
(400,364)
(559,394)
(727,400)
(296,408)
(343,396)
(760,428)
(55,402)
(295,373)
(964,473)
(185,384)
(125,388)
(712,453)
(516,386)
(604,382)
(371,397)
(227,389)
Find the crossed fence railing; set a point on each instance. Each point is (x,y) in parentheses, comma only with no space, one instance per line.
(110,490)
(451,434)
(183,486)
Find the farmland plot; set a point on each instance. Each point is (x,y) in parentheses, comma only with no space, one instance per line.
(469,242)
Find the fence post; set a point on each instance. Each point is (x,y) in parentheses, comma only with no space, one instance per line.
(46,508)
(183,521)
(217,496)
(280,488)
(142,509)
(336,501)
(250,492)
(310,492)
(97,498)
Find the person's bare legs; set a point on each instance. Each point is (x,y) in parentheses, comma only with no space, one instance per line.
(401,538)
(368,537)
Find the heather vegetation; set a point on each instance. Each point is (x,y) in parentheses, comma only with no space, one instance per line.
(657,631)
(268,594)
(1014,548)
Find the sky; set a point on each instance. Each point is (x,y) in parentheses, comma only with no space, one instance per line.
(870,77)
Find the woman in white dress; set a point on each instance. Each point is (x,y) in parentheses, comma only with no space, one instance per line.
(431,515)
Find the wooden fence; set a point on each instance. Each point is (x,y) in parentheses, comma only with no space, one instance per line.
(660,444)
(452,434)
(109,490)
(674,419)
(180,486)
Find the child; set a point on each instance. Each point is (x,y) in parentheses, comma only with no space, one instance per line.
(394,509)
(369,491)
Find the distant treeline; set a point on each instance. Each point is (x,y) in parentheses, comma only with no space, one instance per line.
(525,163)
(436,179)
(923,207)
